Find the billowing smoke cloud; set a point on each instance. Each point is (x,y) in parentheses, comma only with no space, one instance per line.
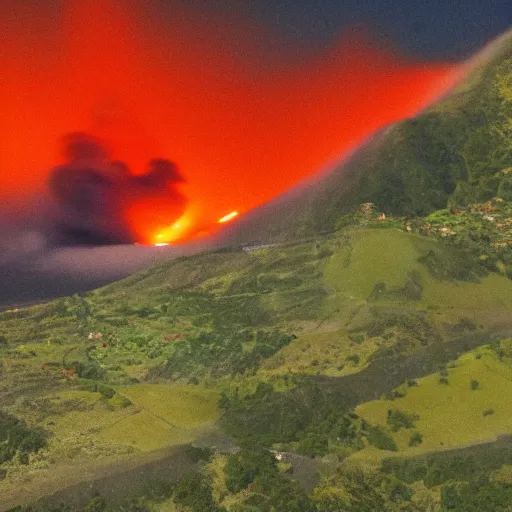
(94,199)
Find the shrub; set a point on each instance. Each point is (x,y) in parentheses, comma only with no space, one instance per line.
(488,412)
(106,391)
(197,453)
(118,402)
(415,439)
(195,491)
(95,504)
(475,385)
(379,438)
(398,419)
(243,467)
(90,370)
(314,444)
(15,437)
(356,338)
(443,380)
(401,491)
(354,358)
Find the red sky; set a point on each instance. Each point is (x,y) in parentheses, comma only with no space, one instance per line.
(243,123)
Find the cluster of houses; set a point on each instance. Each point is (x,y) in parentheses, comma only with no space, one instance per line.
(496,212)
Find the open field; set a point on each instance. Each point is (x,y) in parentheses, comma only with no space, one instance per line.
(166,415)
(89,431)
(452,415)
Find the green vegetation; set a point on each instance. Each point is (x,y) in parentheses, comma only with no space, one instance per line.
(398,419)
(17,438)
(477,495)
(461,464)
(195,492)
(452,415)
(222,353)
(416,439)
(243,467)
(275,370)
(163,415)
(378,437)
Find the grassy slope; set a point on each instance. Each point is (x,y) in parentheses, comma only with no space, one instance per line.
(339,272)
(167,415)
(452,415)
(350,275)
(378,256)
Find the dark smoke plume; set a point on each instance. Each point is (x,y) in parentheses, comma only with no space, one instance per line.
(91,195)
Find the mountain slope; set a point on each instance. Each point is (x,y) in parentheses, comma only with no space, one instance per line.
(453,153)
(302,331)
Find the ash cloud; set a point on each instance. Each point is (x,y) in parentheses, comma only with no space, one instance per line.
(91,196)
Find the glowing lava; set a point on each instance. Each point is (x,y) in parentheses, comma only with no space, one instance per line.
(228,217)
(185,228)
(177,231)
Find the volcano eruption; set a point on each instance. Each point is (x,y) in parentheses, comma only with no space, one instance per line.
(241,111)
(244,117)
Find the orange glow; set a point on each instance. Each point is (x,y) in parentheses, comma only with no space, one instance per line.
(244,124)
(177,231)
(228,217)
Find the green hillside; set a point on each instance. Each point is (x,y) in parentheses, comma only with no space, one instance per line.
(288,345)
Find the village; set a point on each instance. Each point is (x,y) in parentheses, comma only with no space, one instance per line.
(485,228)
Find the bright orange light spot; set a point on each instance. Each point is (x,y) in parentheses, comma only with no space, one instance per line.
(177,231)
(228,217)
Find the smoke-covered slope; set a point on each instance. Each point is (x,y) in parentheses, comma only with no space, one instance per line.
(454,153)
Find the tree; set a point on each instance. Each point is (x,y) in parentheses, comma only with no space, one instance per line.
(398,419)
(195,492)
(379,438)
(243,467)
(96,504)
